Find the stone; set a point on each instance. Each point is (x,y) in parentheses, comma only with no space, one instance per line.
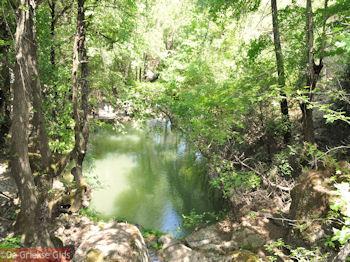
(166,240)
(244,256)
(112,242)
(180,253)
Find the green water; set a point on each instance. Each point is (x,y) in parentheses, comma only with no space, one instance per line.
(149,176)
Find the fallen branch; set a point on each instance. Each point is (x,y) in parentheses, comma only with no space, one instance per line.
(6,196)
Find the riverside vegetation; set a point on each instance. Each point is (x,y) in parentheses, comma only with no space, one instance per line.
(261,90)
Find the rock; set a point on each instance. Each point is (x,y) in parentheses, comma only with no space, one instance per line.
(112,242)
(213,239)
(210,239)
(94,255)
(166,240)
(247,238)
(177,252)
(181,253)
(212,243)
(244,256)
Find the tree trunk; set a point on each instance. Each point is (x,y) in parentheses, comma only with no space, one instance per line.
(81,118)
(39,119)
(5,79)
(308,126)
(52,32)
(29,221)
(312,70)
(280,70)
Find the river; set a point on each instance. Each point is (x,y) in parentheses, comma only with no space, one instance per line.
(149,176)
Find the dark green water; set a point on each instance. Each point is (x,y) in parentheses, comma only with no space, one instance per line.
(149,176)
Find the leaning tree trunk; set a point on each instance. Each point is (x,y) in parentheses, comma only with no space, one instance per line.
(280,71)
(29,221)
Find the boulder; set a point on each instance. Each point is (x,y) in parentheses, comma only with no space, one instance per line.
(244,256)
(112,242)
(178,252)
(214,239)
(212,243)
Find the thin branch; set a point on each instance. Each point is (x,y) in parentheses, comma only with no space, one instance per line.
(50,3)
(61,13)
(103,35)
(6,196)
(13,4)
(324,31)
(315,161)
(266,181)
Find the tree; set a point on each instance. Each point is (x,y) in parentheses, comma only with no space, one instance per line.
(5,78)
(313,70)
(54,19)
(80,111)
(31,221)
(280,70)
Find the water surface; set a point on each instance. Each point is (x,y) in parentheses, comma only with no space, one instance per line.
(149,176)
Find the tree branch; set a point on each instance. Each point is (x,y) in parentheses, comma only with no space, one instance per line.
(61,13)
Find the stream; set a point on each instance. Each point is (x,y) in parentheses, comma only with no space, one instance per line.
(149,176)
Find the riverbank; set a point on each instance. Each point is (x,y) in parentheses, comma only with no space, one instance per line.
(251,237)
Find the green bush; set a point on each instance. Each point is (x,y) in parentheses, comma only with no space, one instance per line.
(195,219)
(11,242)
(232,178)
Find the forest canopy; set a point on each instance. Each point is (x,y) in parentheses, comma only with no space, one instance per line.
(255,86)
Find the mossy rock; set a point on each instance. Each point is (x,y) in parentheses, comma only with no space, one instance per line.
(244,256)
(94,255)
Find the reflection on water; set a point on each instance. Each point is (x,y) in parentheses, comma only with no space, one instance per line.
(149,177)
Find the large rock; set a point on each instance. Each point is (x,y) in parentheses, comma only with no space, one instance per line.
(212,239)
(112,242)
(212,243)
(215,238)
(175,251)
(311,199)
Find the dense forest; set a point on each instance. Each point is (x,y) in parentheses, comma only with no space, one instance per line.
(261,89)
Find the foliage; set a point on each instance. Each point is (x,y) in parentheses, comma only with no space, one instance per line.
(195,219)
(217,80)
(230,178)
(279,249)
(11,242)
(148,232)
(96,216)
(92,214)
(340,209)
(282,160)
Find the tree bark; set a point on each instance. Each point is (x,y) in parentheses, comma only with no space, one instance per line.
(280,71)
(52,32)
(5,78)
(29,221)
(308,126)
(80,113)
(39,118)
(312,70)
